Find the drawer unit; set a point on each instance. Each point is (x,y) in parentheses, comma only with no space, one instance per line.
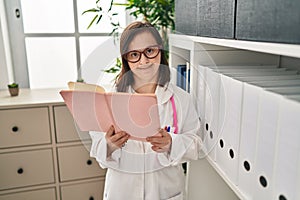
(44,194)
(75,163)
(85,191)
(23,127)
(43,155)
(65,127)
(26,168)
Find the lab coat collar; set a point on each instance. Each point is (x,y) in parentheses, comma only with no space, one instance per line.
(163,93)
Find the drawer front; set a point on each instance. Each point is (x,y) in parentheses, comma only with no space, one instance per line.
(44,194)
(75,163)
(26,168)
(85,191)
(22,127)
(65,127)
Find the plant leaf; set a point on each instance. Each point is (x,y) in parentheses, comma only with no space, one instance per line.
(90,10)
(92,21)
(100,17)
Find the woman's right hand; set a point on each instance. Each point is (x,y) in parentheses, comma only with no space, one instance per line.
(115,140)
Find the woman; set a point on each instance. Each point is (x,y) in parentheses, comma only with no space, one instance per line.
(148,170)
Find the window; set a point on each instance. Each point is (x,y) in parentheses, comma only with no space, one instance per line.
(58,44)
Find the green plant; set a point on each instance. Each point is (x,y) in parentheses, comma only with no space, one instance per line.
(117,67)
(160,13)
(13,85)
(80,80)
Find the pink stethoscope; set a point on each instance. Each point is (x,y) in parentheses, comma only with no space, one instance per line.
(174,115)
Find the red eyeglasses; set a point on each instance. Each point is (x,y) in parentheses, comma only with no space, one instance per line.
(135,55)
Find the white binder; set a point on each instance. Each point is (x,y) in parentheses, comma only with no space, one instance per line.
(211,116)
(248,138)
(249,78)
(243,70)
(243,67)
(212,104)
(287,162)
(275,72)
(286,90)
(248,134)
(231,95)
(294,97)
(201,87)
(266,144)
(281,83)
(227,151)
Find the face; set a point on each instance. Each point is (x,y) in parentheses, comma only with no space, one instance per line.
(144,70)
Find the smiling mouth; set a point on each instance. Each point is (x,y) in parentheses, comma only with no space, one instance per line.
(145,67)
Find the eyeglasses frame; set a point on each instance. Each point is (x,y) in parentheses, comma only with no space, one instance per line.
(143,52)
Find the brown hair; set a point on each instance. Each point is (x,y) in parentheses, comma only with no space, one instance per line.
(125,77)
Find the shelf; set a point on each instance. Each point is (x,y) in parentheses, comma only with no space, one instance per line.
(31,97)
(214,51)
(290,50)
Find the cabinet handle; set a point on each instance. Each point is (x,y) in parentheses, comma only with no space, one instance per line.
(15,129)
(89,162)
(18,13)
(91,198)
(20,171)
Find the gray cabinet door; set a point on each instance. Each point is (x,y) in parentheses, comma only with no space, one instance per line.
(216,18)
(268,20)
(186,17)
(208,18)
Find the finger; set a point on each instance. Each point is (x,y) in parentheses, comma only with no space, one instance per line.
(161,145)
(155,139)
(122,140)
(149,139)
(110,131)
(157,149)
(163,132)
(117,141)
(117,136)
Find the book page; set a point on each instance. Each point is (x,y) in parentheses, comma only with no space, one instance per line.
(85,87)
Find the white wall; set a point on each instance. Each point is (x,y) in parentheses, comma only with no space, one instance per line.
(6,71)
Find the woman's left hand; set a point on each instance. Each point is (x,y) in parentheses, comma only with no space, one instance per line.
(160,142)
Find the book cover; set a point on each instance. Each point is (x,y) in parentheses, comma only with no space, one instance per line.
(97,110)
(181,69)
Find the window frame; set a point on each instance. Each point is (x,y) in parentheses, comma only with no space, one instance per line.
(17,38)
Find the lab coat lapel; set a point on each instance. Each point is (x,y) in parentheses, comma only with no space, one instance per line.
(164,93)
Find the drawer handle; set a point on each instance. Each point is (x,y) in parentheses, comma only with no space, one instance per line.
(15,129)
(89,162)
(20,171)
(91,198)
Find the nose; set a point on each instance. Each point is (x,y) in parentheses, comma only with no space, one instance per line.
(144,59)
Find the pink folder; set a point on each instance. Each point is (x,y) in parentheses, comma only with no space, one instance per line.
(136,114)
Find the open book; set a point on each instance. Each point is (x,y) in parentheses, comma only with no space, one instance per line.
(93,109)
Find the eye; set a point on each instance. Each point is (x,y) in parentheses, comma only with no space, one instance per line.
(150,51)
(133,54)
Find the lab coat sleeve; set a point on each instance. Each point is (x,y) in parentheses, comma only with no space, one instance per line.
(187,144)
(99,151)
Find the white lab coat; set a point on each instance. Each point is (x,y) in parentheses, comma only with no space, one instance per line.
(135,171)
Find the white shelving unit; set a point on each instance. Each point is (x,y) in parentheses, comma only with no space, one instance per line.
(206,180)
